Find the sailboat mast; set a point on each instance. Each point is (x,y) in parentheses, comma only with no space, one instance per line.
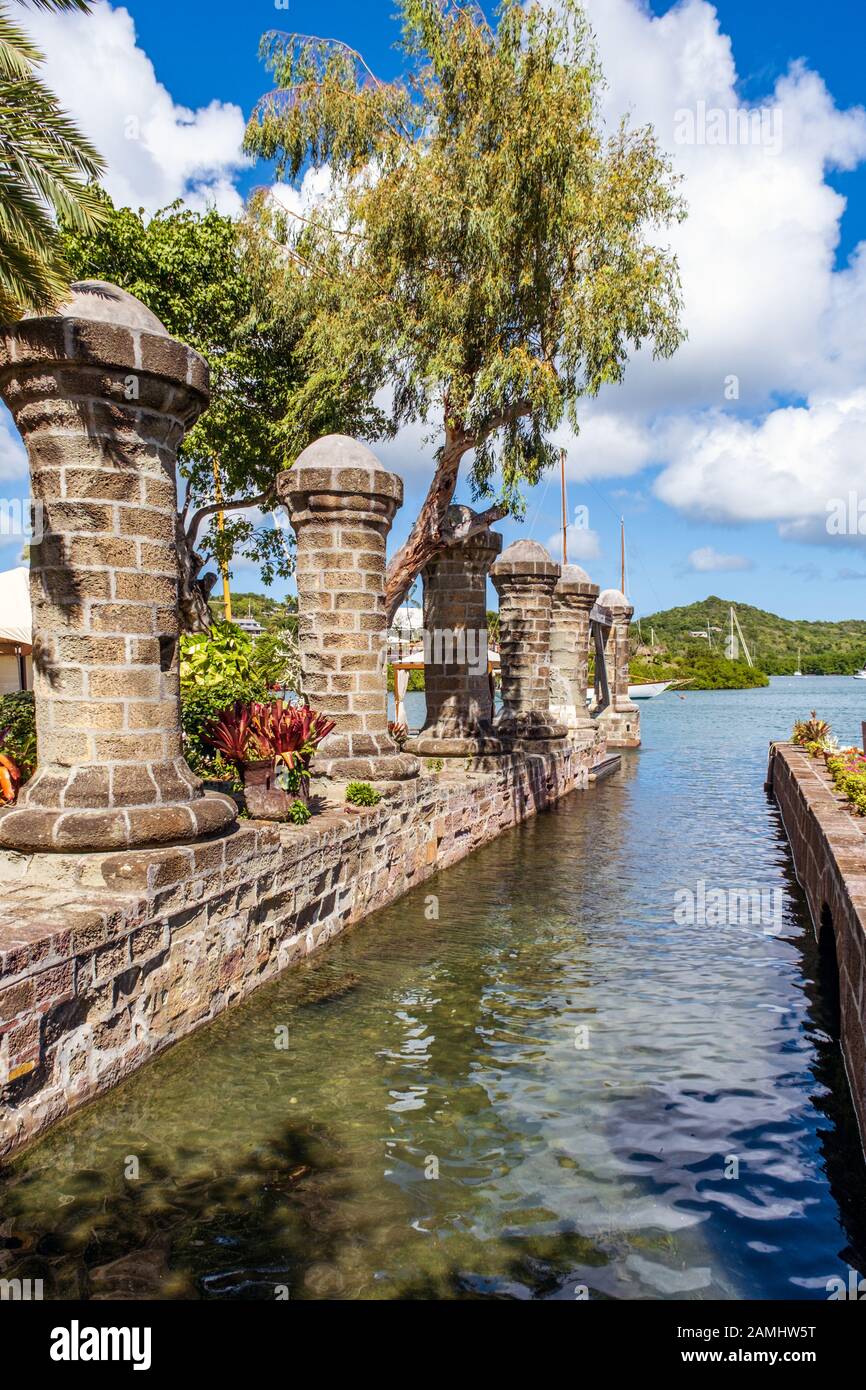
(564,510)
(622,554)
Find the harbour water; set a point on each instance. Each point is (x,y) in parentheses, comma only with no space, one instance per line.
(533,1077)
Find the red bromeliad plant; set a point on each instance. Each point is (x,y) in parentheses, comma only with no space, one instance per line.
(233,735)
(279,732)
(291,734)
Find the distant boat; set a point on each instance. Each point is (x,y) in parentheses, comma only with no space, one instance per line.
(861,674)
(798,672)
(648,691)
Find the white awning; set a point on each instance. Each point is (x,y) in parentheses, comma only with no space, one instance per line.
(15,621)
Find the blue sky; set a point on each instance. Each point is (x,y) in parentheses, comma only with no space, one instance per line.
(721,494)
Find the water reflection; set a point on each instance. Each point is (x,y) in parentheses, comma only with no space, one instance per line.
(539,1092)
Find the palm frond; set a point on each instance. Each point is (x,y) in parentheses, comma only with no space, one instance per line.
(47,172)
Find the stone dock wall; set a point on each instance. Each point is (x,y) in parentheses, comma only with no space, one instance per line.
(107,959)
(828,845)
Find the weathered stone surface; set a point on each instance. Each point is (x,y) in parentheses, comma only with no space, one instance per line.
(525,577)
(828,846)
(106,959)
(102,397)
(621,718)
(457,687)
(341,503)
(573,599)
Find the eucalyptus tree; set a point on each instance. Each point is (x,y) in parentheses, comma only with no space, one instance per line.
(488,250)
(47,171)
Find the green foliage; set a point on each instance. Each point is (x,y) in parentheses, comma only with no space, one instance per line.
(298,813)
(46,169)
(200,705)
(698,669)
(362,794)
(488,251)
(276,655)
(223,286)
(18,730)
(810,731)
(266,611)
(223,654)
(203,277)
(827,648)
(848,770)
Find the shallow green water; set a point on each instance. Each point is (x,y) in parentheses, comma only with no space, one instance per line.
(453,1045)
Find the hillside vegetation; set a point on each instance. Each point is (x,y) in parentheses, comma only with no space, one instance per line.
(258,606)
(826,648)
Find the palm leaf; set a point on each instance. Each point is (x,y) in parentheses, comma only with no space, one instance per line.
(47,172)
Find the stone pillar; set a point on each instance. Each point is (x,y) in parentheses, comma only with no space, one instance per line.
(457,686)
(621,718)
(525,577)
(341,503)
(102,397)
(573,599)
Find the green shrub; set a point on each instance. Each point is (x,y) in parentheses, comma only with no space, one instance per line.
(362,794)
(200,705)
(299,814)
(848,770)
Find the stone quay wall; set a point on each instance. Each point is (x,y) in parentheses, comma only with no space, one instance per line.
(828,846)
(108,959)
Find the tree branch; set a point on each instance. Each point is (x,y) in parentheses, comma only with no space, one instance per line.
(264,499)
(478,522)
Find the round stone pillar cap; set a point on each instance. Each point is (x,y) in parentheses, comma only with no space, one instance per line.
(575,580)
(101,325)
(337,466)
(614,602)
(525,559)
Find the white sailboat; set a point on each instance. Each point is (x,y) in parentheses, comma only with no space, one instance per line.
(798,672)
(861,674)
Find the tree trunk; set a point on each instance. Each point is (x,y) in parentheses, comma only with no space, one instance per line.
(193,591)
(427,536)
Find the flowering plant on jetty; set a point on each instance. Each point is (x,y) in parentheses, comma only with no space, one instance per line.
(847,766)
(848,770)
(810,731)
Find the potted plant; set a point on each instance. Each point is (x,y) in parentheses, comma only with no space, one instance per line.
(273,745)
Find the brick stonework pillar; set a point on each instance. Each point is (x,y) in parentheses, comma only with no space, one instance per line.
(102,397)
(459,719)
(525,577)
(621,718)
(341,503)
(573,599)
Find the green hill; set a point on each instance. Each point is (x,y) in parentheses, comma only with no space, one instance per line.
(258,606)
(826,648)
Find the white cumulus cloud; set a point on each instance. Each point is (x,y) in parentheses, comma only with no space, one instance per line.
(156,149)
(706,560)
